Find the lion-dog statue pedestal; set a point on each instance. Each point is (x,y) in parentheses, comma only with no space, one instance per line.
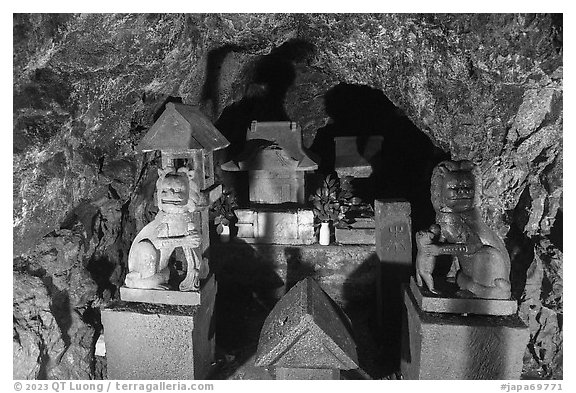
(460,322)
(162,327)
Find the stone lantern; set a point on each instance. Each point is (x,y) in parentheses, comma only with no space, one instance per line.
(157,331)
(186,140)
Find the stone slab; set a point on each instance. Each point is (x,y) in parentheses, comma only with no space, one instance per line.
(276,187)
(201,223)
(210,195)
(355,235)
(363,223)
(360,171)
(451,346)
(269,226)
(145,341)
(393,231)
(155,296)
(429,302)
(349,161)
(306,373)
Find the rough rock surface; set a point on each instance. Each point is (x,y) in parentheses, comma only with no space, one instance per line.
(86,87)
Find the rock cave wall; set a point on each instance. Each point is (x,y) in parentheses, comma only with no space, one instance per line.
(86,88)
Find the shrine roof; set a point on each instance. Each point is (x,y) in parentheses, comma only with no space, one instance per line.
(304,330)
(283,137)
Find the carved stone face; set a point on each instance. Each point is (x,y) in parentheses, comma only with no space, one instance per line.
(174,190)
(458,191)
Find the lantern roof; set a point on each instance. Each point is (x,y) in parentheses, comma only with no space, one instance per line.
(181,129)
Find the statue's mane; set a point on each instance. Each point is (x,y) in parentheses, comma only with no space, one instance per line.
(437,181)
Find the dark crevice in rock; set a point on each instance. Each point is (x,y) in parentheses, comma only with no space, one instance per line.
(60,308)
(557,231)
(521,250)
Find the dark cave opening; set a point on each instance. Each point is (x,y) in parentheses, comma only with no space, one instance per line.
(403,168)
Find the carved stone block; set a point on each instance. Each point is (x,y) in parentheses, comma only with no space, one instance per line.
(393,231)
(451,346)
(270,226)
(276,187)
(145,341)
(305,333)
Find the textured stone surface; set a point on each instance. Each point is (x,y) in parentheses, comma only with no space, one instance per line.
(167,342)
(346,273)
(54,305)
(355,156)
(447,346)
(192,298)
(355,235)
(486,87)
(305,331)
(253,277)
(276,226)
(445,303)
(393,232)
(306,374)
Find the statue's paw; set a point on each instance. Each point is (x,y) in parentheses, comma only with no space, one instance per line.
(132,279)
(162,287)
(502,283)
(465,294)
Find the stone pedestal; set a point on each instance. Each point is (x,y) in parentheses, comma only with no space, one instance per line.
(453,346)
(148,341)
(156,296)
(447,301)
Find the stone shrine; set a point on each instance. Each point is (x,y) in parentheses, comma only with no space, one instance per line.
(157,327)
(355,158)
(276,163)
(305,338)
